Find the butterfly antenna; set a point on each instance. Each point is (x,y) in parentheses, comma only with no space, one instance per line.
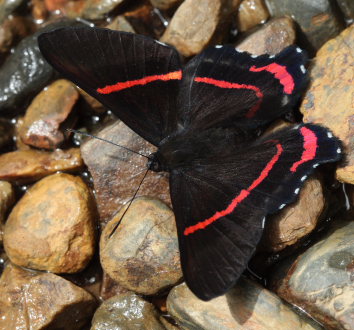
(115,144)
(130,203)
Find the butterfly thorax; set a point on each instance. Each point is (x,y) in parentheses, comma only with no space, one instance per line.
(186,149)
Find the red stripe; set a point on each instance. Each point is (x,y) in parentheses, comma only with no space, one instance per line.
(239,198)
(310,147)
(176,75)
(280,73)
(226,84)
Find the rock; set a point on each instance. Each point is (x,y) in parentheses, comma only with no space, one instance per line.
(7,7)
(332,87)
(271,38)
(321,279)
(317,19)
(247,306)
(39,10)
(7,199)
(126,311)
(198,23)
(110,288)
(296,220)
(6,132)
(43,122)
(117,172)
(93,104)
(37,300)
(120,23)
(251,13)
(13,30)
(145,20)
(53,5)
(142,254)
(165,4)
(347,7)
(25,72)
(25,166)
(55,223)
(99,9)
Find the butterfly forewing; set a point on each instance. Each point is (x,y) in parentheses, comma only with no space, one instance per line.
(128,73)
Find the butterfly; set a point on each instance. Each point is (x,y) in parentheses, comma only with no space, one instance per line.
(204,118)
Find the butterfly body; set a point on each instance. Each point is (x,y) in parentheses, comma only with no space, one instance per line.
(205,119)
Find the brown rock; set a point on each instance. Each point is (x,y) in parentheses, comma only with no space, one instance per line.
(30,165)
(37,300)
(120,23)
(117,173)
(52,227)
(142,254)
(39,10)
(251,13)
(165,4)
(198,23)
(126,311)
(12,30)
(296,220)
(99,9)
(47,112)
(52,5)
(247,306)
(271,38)
(7,199)
(329,99)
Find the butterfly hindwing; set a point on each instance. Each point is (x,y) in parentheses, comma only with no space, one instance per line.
(227,195)
(134,76)
(222,86)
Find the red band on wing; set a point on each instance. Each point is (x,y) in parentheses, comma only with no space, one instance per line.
(226,84)
(310,147)
(176,75)
(280,73)
(239,198)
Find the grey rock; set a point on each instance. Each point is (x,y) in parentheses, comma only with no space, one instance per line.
(316,18)
(247,306)
(126,312)
(7,7)
(321,279)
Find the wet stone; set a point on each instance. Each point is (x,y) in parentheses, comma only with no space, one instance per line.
(7,199)
(13,30)
(126,311)
(321,279)
(37,300)
(331,80)
(7,7)
(110,287)
(347,8)
(99,9)
(251,13)
(52,227)
(25,166)
(39,10)
(49,109)
(142,254)
(296,220)
(25,72)
(317,19)
(271,38)
(207,22)
(246,306)
(117,172)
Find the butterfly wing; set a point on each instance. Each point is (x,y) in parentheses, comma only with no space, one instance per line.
(220,203)
(223,86)
(134,76)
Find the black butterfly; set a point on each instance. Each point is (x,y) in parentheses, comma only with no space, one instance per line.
(203,118)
